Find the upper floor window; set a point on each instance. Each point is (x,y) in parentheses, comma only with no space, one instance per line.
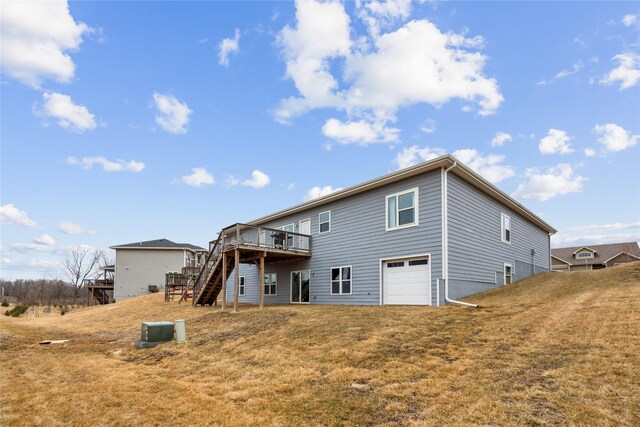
(341,280)
(325,222)
(402,209)
(584,255)
(290,228)
(271,284)
(506,228)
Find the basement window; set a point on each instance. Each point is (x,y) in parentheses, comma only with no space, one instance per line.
(508,274)
(242,287)
(341,280)
(325,222)
(271,284)
(506,228)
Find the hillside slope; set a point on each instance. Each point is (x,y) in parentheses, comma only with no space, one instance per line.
(553,349)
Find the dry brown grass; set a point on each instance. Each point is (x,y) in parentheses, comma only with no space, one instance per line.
(555,349)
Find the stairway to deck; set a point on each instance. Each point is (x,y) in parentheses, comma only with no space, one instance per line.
(245,244)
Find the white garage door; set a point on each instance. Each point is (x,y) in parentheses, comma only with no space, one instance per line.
(407,282)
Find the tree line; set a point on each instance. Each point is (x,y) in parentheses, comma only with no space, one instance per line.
(81,264)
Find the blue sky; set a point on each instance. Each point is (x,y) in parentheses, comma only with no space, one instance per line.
(130,121)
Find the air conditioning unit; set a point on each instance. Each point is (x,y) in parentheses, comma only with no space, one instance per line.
(153,288)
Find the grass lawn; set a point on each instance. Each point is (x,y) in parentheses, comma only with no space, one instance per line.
(559,348)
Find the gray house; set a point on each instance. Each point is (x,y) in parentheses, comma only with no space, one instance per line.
(425,235)
(594,257)
(141,266)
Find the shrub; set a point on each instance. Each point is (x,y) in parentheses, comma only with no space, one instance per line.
(17,310)
(4,303)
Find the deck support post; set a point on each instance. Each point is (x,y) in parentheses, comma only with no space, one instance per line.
(236,286)
(224,281)
(261,280)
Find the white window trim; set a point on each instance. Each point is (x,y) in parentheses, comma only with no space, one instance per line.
(275,283)
(503,229)
(504,273)
(416,203)
(319,222)
(584,257)
(242,289)
(331,284)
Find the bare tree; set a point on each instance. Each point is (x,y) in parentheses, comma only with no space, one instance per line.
(81,264)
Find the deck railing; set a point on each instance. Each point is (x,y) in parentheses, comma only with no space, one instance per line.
(264,237)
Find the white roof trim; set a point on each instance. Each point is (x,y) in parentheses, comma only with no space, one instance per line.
(155,248)
(620,253)
(445,161)
(560,259)
(585,247)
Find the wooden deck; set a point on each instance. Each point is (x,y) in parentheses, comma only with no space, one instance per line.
(245,244)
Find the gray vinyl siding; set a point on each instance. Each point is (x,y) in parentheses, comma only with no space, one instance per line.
(476,252)
(358,238)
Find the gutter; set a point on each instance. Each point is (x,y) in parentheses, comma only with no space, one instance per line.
(445,240)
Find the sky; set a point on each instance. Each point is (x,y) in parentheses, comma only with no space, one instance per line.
(131,121)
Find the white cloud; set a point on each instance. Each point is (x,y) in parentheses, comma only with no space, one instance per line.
(36,38)
(69,115)
(571,239)
(172,115)
(589,152)
(489,167)
(227,47)
(198,178)
(9,214)
(45,239)
(429,126)
(316,192)
(575,69)
(555,181)
(381,73)
(556,142)
(34,247)
(500,139)
(107,165)
(413,155)
(359,132)
(68,227)
(606,227)
(627,72)
(258,180)
(629,20)
(382,14)
(614,137)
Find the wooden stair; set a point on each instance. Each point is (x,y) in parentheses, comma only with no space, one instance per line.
(208,284)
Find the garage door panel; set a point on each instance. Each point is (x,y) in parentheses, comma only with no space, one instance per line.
(406,284)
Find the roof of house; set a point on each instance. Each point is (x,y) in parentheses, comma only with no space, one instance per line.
(158,244)
(445,161)
(603,254)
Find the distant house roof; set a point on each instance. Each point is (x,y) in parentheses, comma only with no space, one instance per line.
(445,161)
(603,253)
(158,244)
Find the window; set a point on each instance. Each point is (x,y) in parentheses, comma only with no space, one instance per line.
(508,274)
(290,228)
(419,261)
(395,264)
(271,284)
(325,222)
(584,255)
(241,285)
(506,228)
(402,209)
(341,280)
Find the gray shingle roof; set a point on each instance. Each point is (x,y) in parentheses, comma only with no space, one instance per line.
(603,252)
(158,244)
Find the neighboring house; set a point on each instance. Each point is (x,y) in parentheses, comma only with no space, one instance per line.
(397,239)
(594,257)
(141,266)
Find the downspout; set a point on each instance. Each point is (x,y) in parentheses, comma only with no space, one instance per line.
(445,240)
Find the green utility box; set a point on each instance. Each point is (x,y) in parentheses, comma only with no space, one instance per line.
(157,331)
